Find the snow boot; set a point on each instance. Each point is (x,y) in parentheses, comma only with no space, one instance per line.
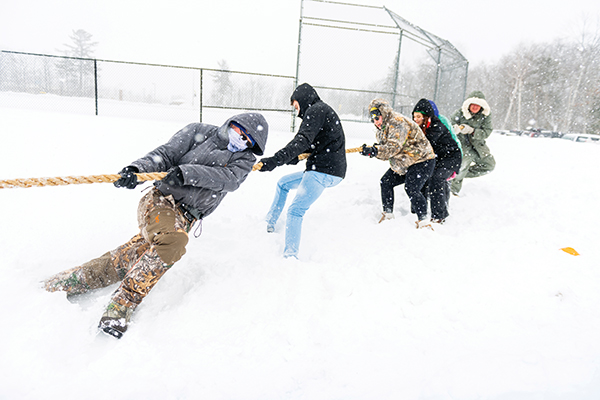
(386,215)
(115,319)
(424,224)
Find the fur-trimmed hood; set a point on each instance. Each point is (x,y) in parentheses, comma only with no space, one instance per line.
(476,97)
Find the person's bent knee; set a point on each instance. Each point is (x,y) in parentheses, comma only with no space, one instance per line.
(170,246)
(165,233)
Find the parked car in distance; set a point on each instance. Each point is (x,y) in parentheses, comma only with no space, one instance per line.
(581,137)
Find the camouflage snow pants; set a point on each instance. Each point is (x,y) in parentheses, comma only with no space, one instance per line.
(140,262)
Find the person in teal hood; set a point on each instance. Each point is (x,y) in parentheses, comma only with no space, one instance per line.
(473,123)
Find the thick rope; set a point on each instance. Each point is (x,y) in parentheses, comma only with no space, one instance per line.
(75,180)
(303,156)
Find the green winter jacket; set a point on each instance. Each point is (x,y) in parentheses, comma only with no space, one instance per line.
(480,122)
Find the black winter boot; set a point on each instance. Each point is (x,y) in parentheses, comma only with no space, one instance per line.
(115,319)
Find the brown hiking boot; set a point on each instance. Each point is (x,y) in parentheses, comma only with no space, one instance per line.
(115,319)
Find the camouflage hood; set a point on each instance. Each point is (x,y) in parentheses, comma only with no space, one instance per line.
(400,140)
(384,107)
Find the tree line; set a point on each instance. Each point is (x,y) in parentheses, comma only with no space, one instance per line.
(550,86)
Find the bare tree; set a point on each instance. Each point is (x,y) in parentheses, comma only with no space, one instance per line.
(584,56)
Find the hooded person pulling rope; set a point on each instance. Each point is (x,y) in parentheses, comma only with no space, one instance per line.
(204,163)
(320,134)
(412,159)
(473,123)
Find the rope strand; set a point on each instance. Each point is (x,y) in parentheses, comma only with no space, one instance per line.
(75,180)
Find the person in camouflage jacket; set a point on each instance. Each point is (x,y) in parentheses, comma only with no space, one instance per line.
(473,123)
(204,163)
(412,159)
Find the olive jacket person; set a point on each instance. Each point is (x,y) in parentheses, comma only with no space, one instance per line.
(403,144)
(473,124)
(320,134)
(204,163)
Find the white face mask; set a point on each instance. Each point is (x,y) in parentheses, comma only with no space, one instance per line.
(236,142)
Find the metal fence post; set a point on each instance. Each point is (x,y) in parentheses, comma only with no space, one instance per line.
(96,83)
(293,125)
(397,70)
(437,75)
(200,95)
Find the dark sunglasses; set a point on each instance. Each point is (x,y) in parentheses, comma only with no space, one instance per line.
(246,138)
(375,114)
(243,134)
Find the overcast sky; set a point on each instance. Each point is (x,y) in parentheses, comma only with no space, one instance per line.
(262,35)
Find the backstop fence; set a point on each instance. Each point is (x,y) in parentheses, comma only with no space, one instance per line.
(118,88)
(351,53)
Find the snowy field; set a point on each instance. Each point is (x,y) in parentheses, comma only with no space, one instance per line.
(485,307)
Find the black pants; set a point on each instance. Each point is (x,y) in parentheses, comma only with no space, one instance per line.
(414,180)
(438,187)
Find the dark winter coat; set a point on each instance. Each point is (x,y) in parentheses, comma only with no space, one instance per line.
(444,146)
(209,169)
(480,122)
(320,134)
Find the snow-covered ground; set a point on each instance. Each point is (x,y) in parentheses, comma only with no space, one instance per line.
(485,307)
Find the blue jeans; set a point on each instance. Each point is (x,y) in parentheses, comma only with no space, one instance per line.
(310,185)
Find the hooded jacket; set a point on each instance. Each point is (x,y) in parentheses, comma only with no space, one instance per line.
(320,134)
(439,136)
(480,122)
(209,169)
(400,139)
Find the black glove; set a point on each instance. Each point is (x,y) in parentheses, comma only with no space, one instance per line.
(268,164)
(174,177)
(293,161)
(128,178)
(369,151)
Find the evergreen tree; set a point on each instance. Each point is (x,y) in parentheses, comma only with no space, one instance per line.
(223,90)
(77,72)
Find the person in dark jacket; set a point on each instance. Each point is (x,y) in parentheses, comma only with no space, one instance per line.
(320,134)
(448,158)
(204,163)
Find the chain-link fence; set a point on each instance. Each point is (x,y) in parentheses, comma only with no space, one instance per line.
(371,52)
(353,53)
(149,91)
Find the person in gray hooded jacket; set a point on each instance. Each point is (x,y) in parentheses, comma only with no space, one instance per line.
(204,163)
